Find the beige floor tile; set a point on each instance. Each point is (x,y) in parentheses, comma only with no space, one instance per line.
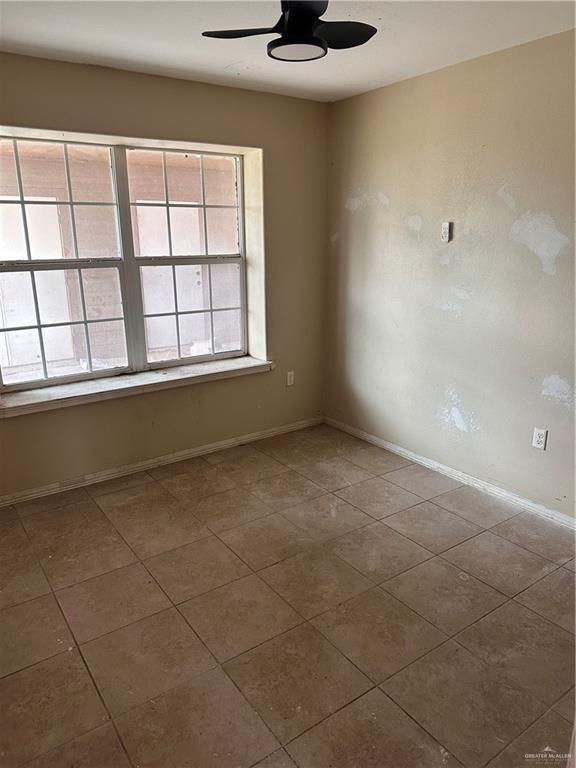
(111,601)
(100,748)
(177,468)
(266,541)
(204,723)
(378,633)
(278,759)
(566,706)
(371,732)
(196,568)
(505,566)
(378,461)
(326,517)
(229,509)
(545,538)
(249,469)
(196,484)
(314,581)
(477,507)
(552,597)
(52,502)
(446,596)
(144,659)
(463,703)
(525,647)
(31,632)
(46,705)
(21,577)
(571,565)
(378,497)
(378,551)
(432,527)
(285,490)
(422,481)
(550,732)
(238,616)
(296,450)
(151,519)
(8,513)
(333,474)
(119,484)
(295,680)
(230,454)
(76,542)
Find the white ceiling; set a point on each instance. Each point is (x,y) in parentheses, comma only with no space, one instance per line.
(164,38)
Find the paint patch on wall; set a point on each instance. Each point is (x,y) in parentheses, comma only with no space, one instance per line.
(556,388)
(505,194)
(334,237)
(361,199)
(456,307)
(414,222)
(538,232)
(454,417)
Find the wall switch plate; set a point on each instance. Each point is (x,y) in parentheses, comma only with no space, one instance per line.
(289,378)
(446,231)
(540,438)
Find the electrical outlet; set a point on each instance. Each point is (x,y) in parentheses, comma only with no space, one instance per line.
(446,232)
(289,378)
(540,438)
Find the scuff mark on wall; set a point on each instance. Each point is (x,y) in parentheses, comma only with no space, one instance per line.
(454,417)
(353,203)
(413,222)
(538,232)
(334,237)
(506,195)
(557,388)
(456,307)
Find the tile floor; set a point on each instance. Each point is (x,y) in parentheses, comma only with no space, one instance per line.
(308,600)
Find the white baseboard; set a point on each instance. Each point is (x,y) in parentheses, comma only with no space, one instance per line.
(462,477)
(129,469)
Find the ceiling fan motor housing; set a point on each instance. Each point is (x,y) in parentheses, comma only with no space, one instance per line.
(292,47)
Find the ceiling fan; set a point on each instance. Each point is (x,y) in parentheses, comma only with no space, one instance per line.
(303,36)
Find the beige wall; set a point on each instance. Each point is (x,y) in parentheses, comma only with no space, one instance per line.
(61,445)
(457,351)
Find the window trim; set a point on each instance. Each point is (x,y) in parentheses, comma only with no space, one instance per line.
(128,264)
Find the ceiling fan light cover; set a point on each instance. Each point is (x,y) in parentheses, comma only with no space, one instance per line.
(289,48)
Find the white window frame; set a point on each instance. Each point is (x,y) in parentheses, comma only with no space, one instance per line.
(128,264)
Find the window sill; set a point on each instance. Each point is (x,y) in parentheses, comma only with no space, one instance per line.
(124,385)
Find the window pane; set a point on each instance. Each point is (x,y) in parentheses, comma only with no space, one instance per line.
(16,300)
(227,331)
(184,178)
(96,232)
(187,229)
(150,231)
(8,178)
(157,290)
(161,339)
(225,285)
(20,356)
(43,170)
(90,173)
(50,231)
(222,226)
(193,288)
(65,350)
(59,299)
(195,335)
(145,176)
(12,240)
(220,180)
(107,345)
(102,293)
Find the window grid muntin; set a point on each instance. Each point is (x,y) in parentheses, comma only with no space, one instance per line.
(135,347)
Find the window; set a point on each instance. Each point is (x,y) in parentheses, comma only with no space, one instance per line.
(116,259)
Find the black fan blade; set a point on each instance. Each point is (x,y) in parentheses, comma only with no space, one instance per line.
(231,34)
(344,34)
